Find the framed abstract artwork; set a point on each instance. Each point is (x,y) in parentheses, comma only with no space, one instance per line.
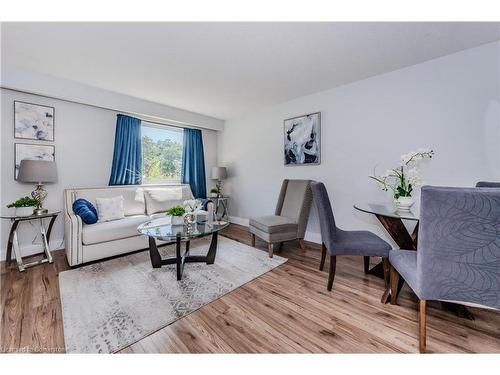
(32,152)
(33,121)
(302,140)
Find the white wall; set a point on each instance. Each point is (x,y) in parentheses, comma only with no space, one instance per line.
(84,140)
(450,104)
(39,83)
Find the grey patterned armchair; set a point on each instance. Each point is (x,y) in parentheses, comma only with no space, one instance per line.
(458,256)
(289,221)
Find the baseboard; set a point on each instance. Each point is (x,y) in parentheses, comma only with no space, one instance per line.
(310,236)
(27,250)
(239,220)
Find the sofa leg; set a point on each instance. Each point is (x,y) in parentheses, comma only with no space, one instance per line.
(270,248)
(302,245)
(422,326)
(331,275)
(253,240)
(394,285)
(323,256)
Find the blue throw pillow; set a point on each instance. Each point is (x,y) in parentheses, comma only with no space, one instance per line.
(85,210)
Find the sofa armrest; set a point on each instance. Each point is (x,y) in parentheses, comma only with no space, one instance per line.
(72,232)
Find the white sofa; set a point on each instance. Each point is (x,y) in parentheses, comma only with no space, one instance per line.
(86,243)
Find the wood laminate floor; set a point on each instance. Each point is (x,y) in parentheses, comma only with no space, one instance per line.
(287,310)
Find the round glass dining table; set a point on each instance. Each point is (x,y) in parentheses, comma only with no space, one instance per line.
(392,220)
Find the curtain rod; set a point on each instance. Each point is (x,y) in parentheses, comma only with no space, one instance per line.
(101,107)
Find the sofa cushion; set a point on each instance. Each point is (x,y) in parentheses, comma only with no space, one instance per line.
(274,224)
(133,197)
(85,210)
(159,200)
(112,230)
(109,209)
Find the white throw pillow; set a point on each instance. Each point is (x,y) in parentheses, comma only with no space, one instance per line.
(110,208)
(161,199)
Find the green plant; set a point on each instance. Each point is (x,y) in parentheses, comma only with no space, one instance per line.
(23,202)
(215,190)
(403,178)
(176,211)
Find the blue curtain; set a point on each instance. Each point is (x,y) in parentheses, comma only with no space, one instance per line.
(127,157)
(193,163)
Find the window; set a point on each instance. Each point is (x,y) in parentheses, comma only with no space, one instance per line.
(161,153)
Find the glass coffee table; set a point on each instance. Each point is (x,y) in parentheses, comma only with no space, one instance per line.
(162,230)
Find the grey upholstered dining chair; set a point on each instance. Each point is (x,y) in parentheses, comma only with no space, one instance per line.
(458,252)
(289,221)
(337,242)
(488,184)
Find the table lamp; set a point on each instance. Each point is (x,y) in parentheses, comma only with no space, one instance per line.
(219,174)
(39,172)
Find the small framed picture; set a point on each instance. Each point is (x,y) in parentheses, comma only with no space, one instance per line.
(32,152)
(33,121)
(302,140)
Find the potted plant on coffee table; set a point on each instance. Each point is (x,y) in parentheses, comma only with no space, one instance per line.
(24,206)
(176,214)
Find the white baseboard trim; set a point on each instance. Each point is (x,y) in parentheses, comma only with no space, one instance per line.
(27,250)
(310,236)
(239,221)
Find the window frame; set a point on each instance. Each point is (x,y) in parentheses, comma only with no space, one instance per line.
(171,128)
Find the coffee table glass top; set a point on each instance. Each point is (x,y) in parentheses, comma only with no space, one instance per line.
(163,230)
(387,209)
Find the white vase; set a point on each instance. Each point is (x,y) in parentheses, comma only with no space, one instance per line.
(176,220)
(404,203)
(24,211)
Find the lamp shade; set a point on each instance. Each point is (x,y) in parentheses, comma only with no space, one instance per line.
(219,173)
(37,171)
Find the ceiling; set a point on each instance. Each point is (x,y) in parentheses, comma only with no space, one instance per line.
(226,69)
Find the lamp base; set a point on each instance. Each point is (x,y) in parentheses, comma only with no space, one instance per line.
(40,211)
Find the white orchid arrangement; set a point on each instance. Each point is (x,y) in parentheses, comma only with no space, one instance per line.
(192,205)
(402,179)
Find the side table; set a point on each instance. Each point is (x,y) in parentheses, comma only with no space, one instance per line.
(13,242)
(221,207)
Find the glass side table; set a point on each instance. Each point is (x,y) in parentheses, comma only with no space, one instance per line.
(220,207)
(13,242)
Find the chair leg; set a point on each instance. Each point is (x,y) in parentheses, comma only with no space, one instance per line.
(331,275)
(386,265)
(422,332)
(280,247)
(394,285)
(253,240)
(302,245)
(367,263)
(323,256)
(270,248)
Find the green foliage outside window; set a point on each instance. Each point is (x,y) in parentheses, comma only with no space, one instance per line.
(161,159)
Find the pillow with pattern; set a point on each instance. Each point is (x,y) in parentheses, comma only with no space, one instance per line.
(110,208)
